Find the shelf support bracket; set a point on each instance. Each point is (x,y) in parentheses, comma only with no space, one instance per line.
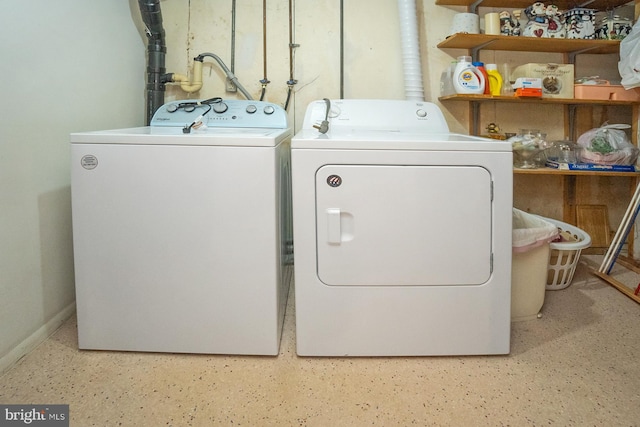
(572,55)
(475,55)
(572,122)
(474,6)
(475,118)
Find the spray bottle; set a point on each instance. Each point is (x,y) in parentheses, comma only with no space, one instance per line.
(467,78)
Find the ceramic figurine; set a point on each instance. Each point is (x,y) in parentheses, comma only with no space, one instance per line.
(517,29)
(493,128)
(555,22)
(538,24)
(579,23)
(613,28)
(506,23)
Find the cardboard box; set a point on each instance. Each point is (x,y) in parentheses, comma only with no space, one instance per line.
(528,87)
(557,79)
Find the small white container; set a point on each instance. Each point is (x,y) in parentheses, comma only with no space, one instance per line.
(492,23)
(468,23)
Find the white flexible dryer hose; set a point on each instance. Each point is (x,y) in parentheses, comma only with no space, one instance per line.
(413,86)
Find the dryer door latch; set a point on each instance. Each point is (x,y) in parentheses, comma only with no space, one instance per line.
(334,232)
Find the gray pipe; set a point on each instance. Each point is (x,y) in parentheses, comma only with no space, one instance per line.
(156,50)
(226,70)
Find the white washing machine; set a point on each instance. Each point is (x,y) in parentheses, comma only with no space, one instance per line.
(402,233)
(182,236)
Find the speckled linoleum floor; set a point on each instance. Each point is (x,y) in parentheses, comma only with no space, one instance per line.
(579,365)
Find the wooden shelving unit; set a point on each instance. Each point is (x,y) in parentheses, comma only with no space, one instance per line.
(572,108)
(473,43)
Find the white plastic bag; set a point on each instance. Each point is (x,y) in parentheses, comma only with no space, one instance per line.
(607,145)
(530,231)
(629,64)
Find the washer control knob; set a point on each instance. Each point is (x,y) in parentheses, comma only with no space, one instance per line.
(269,109)
(220,107)
(172,108)
(421,113)
(251,108)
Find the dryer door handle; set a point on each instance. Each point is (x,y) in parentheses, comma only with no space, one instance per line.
(334,231)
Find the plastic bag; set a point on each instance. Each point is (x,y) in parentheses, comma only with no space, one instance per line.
(607,145)
(531,231)
(629,64)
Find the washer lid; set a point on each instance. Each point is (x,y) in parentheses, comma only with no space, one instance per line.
(363,139)
(155,135)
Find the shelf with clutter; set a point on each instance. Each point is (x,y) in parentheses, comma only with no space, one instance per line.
(556,28)
(534,100)
(529,44)
(539,27)
(527,30)
(522,4)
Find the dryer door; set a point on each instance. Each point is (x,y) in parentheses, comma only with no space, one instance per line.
(393,225)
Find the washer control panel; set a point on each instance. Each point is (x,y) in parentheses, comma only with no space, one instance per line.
(232,113)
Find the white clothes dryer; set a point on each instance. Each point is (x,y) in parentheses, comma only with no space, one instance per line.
(182,234)
(402,233)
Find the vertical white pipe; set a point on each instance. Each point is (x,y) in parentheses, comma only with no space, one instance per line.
(413,86)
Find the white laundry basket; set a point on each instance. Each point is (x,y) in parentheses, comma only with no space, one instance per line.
(564,256)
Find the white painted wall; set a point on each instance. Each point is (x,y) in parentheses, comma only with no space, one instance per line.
(66,65)
(372,48)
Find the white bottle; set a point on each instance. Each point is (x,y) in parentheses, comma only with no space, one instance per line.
(467,78)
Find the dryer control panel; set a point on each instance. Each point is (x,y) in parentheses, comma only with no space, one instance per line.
(233,113)
(377,114)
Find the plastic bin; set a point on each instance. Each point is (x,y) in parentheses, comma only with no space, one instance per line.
(532,235)
(565,255)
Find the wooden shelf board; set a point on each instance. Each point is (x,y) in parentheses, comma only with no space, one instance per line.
(529,44)
(560,101)
(551,171)
(523,4)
